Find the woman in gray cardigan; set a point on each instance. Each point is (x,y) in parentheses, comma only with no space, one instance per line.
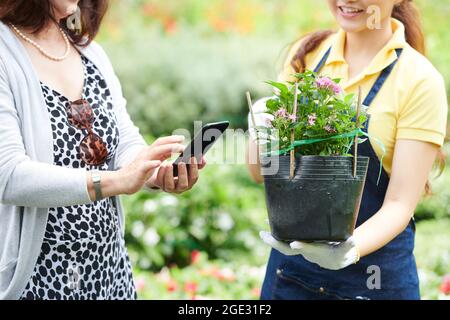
(68,149)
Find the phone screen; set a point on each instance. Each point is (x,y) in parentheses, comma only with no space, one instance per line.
(201,143)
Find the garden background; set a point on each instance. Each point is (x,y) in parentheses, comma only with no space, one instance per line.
(181,61)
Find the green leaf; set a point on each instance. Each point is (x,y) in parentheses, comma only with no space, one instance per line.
(348,99)
(273,105)
(294,125)
(280,86)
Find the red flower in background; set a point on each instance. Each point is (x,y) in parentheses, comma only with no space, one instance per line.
(170,25)
(195,256)
(161,14)
(224,274)
(191,287)
(150,10)
(445,286)
(172,286)
(256,292)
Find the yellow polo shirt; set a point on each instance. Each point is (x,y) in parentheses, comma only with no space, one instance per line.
(412,103)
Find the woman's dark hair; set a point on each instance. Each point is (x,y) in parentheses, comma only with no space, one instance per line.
(35,15)
(406,12)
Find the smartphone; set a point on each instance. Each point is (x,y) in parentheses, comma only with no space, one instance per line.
(201,143)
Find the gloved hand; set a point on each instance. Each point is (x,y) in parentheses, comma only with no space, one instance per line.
(331,255)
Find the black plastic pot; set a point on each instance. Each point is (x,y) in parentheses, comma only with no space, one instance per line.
(321,202)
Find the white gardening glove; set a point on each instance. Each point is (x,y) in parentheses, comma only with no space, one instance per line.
(330,255)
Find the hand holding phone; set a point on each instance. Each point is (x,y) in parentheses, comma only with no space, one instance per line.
(202,142)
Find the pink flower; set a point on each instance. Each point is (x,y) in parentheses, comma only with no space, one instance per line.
(329,129)
(281,113)
(140,284)
(337,89)
(292,117)
(269,123)
(190,287)
(312,119)
(324,82)
(327,83)
(445,286)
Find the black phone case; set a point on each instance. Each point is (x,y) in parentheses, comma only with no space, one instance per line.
(206,145)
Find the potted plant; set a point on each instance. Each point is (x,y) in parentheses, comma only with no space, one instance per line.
(315,192)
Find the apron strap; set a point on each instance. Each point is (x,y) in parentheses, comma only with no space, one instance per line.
(381,80)
(322,61)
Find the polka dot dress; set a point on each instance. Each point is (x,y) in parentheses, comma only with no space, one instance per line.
(83,255)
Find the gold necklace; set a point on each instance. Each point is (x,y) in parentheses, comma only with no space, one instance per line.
(41,49)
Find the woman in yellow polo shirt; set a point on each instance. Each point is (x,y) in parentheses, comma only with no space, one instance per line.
(407,108)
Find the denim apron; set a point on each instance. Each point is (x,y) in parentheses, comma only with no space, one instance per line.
(389,273)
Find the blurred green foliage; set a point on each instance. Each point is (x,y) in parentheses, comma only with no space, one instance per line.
(437,205)
(432,256)
(239,279)
(203,279)
(180,61)
(195,59)
(221,216)
(170,82)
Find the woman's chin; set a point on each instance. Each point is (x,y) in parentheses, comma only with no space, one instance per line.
(352,26)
